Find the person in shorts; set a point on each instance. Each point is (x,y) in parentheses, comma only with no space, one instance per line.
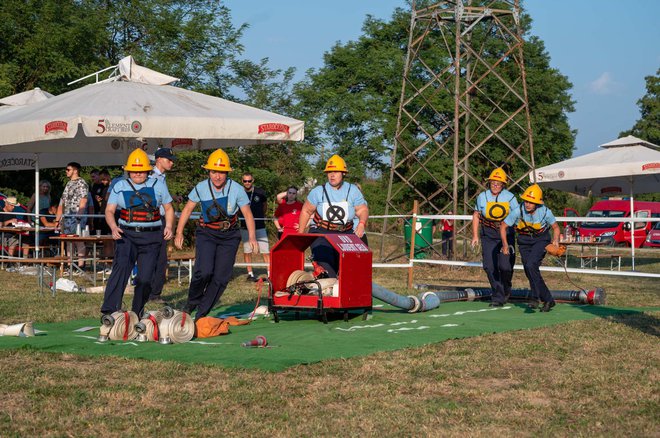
(259,207)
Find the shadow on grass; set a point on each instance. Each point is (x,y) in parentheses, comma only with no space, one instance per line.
(635,319)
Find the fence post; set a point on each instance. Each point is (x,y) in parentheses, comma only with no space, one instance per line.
(413,233)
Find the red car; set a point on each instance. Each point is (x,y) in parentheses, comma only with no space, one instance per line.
(653,238)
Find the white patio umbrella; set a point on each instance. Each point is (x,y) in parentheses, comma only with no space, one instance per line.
(110,113)
(26,97)
(626,166)
(136,107)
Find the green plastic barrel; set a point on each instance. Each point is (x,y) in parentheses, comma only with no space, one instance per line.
(423,239)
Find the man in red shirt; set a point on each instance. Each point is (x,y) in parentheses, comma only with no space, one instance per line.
(287,213)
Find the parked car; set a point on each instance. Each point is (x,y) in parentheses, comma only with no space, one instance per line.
(618,233)
(653,237)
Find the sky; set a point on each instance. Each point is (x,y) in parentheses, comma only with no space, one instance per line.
(604,47)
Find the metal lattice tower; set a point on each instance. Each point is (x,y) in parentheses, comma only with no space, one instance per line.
(454,128)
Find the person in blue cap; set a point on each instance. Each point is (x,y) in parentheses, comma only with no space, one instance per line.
(164,161)
(138,233)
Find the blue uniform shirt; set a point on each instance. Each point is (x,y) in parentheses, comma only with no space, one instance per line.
(123,195)
(541,219)
(343,202)
(231,198)
(496,208)
(155,173)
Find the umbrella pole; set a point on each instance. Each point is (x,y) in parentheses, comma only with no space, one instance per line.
(632,224)
(37,221)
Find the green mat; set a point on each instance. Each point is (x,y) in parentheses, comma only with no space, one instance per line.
(304,341)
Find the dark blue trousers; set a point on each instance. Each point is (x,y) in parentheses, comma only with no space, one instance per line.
(142,247)
(215,254)
(161,270)
(324,254)
(532,252)
(498,266)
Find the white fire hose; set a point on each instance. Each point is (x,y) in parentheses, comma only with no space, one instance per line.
(176,327)
(22,330)
(148,327)
(120,326)
(304,282)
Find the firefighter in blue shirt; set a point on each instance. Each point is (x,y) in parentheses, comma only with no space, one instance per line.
(333,207)
(492,206)
(138,233)
(218,235)
(532,224)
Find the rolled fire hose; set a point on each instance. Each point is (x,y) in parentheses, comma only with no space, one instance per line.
(307,281)
(176,327)
(120,326)
(147,328)
(22,330)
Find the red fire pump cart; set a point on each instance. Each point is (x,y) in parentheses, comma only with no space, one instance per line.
(293,289)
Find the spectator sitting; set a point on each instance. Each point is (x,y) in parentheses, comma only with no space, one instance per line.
(9,217)
(44,197)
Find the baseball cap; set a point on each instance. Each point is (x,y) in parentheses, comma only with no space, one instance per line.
(11,200)
(165,153)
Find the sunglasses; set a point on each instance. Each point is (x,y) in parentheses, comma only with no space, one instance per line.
(248,180)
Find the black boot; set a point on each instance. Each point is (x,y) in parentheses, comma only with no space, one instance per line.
(547,306)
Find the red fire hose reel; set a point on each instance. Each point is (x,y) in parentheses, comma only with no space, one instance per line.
(353,288)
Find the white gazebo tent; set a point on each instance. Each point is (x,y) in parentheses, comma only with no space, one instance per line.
(626,166)
(136,107)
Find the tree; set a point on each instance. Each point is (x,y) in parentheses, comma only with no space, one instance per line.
(48,43)
(648,126)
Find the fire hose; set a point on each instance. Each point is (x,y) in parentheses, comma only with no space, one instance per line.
(429,300)
(119,326)
(147,328)
(176,327)
(301,282)
(22,330)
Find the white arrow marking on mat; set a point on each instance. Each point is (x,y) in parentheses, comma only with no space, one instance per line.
(87,337)
(414,321)
(351,329)
(449,325)
(421,327)
(210,343)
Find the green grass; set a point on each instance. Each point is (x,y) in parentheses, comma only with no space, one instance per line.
(586,378)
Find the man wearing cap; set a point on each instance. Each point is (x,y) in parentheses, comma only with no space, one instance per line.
(9,217)
(164,162)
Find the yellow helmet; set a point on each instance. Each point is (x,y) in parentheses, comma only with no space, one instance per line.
(533,194)
(219,161)
(138,162)
(498,175)
(336,164)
